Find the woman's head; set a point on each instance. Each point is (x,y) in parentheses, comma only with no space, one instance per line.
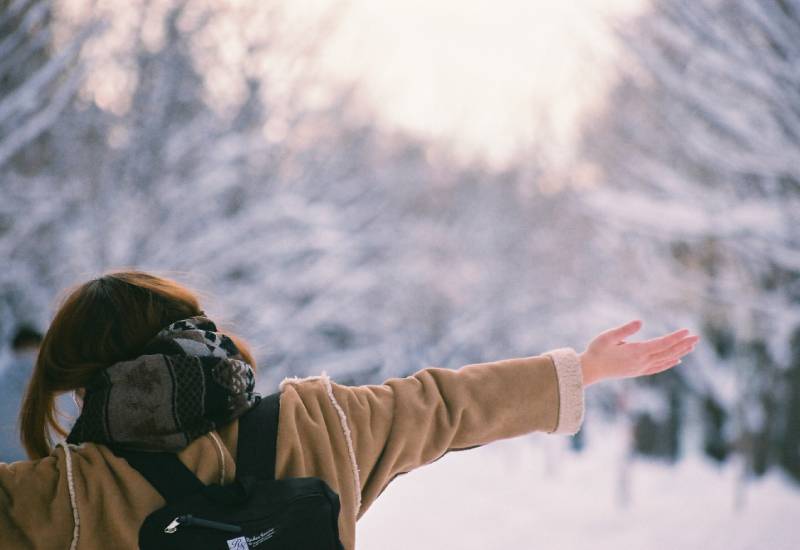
(99,323)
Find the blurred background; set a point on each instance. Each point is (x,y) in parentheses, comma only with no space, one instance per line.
(371,188)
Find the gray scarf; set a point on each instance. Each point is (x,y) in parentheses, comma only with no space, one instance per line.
(189,380)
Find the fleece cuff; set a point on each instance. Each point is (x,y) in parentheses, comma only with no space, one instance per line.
(570,390)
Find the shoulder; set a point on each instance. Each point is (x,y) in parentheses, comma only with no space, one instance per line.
(64,487)
(308,383)
(309,395)
(315,437)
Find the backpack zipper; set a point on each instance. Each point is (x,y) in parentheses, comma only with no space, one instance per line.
(190,520)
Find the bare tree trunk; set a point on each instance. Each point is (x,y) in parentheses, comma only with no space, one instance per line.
(743,443)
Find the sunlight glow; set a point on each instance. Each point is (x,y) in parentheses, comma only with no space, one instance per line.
(493,76)
(487,78)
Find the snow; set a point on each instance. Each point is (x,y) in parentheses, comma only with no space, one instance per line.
(535,492)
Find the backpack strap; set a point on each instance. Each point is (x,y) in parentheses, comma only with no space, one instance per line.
(258,435)
(170,477)
(258,432)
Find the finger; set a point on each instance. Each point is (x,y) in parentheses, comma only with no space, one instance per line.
(681,348)
(657,344)
(661,366)
(618,333)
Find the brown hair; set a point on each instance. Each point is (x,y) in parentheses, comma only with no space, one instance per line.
(99,323)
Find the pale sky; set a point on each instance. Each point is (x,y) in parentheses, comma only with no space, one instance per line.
(489,75)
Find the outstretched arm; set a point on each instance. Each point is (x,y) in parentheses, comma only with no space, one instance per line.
(408,422)
(360,438)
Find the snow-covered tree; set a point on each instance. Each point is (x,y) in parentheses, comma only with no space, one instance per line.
(330,243)
(36,82)
(699,155)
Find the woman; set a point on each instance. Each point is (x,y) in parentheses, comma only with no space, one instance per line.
(80,495)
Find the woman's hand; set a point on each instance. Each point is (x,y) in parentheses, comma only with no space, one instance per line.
(609,356)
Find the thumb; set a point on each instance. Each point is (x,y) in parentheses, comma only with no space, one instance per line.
(616,334)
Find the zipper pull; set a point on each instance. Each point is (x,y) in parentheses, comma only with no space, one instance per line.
(173,526)
(200,522)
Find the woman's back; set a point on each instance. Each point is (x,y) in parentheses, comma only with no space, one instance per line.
(357,439)
(86,496)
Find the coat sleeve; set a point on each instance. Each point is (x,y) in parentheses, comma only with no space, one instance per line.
(409,422)
(34,504)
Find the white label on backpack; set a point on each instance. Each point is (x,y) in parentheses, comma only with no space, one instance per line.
(256,540)
(238,544)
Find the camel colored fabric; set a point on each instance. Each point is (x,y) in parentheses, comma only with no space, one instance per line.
(358,439)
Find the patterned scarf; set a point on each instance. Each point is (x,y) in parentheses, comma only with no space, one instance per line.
(189,380)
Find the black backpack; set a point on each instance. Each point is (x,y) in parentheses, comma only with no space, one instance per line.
(254,512)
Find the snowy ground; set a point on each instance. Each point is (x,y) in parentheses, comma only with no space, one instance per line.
(533,492)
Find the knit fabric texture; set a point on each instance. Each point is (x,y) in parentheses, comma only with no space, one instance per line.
(189,380)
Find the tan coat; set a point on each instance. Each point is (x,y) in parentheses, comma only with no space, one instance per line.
(358,439)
